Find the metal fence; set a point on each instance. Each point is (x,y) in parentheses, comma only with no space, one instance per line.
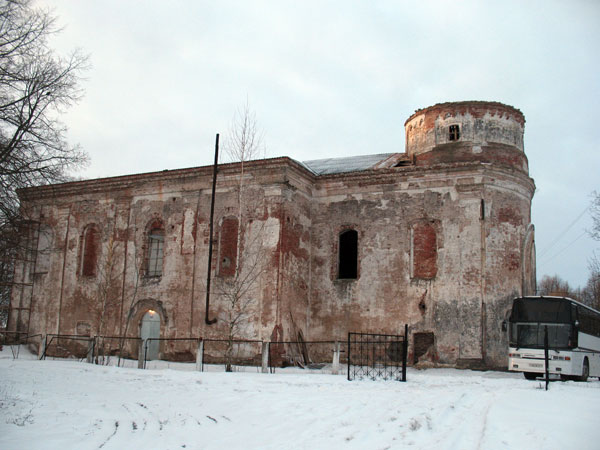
(66,346)
(172,350)
(121,350)
(377,356)
(192,353)
(233,355)
(315,355)
(16,340)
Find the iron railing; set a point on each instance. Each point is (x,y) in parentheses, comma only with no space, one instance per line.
(377,356)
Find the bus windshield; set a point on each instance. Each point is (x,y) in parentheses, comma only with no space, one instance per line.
(531,335)
(530,315)
(548,310)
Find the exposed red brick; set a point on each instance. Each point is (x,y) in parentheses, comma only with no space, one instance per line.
(228,244)
(510,215)
(424,250)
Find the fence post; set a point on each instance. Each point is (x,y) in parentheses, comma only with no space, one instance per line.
(336,359)
(141,355)
(265,357)
(42,347)
(90,351)
(349,356)
(404,352)
(546,359)
(200,356)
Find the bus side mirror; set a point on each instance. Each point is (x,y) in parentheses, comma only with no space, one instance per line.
(504,325)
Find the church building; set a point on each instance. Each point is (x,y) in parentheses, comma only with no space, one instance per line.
(438,237)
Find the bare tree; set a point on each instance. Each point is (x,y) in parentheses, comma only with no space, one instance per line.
(591,291)
(237,291)
(132,295)
(244,141)
(595,211)
(554,285)
(8,255)
(36,86)
(106,297)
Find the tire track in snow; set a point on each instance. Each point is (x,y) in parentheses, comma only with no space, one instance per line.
(463,422)
(112,435)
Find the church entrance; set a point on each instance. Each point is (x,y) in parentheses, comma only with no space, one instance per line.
(150,329)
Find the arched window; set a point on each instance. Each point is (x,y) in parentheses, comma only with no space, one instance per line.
(90,246)
(348,255)
(155,244)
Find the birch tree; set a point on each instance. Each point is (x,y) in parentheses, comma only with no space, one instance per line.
(244,143)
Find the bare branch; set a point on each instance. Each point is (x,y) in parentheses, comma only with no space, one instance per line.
(595,211)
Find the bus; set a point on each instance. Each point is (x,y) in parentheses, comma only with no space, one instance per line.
(573,338)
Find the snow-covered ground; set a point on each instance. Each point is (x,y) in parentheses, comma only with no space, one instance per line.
(74,405)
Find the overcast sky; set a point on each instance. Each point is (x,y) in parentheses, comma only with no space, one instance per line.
(339,78)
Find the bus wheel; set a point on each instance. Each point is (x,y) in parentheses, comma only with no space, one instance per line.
(585,372)
(531,375)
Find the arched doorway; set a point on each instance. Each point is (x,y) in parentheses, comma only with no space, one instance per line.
(150,329)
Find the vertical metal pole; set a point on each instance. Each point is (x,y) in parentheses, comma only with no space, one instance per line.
(145,351)
(90,352)
(349,356)
(210,242)
(546,362)
(404,352)
(200,355)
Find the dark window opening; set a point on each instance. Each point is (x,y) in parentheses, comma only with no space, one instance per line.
(403,163)
(348,255)
(454,133)
(482,210)
(89,254)
(156,239)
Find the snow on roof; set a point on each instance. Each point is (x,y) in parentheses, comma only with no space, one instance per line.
(343,165)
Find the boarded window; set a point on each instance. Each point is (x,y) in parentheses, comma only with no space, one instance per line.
(228,243)
(89,251)
(156,239)
(424,250)
(348,255)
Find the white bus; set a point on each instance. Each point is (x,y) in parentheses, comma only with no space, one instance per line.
(573,338)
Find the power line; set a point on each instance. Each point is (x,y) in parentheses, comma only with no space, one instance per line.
(562,233)
(563,249)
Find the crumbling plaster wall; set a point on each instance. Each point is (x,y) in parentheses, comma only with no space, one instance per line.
(468,200)
(481,217)
(124,208)
(481,124)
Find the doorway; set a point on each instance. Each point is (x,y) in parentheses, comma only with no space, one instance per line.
(150,329)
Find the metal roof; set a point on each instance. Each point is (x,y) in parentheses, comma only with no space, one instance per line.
(343,165)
